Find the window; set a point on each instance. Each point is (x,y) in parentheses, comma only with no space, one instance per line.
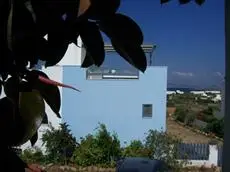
(147,110)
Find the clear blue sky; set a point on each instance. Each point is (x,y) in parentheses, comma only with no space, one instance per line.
(189,38)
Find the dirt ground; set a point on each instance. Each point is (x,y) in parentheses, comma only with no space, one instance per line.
(186,134)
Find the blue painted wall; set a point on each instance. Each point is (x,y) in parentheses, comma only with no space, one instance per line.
(116,103)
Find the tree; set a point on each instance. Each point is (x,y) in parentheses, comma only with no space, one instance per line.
(60,144)
(164,147)
(103,149)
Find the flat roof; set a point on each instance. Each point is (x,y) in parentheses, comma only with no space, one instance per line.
(148,48)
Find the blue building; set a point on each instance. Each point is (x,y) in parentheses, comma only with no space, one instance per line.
(127,101)
(130,104)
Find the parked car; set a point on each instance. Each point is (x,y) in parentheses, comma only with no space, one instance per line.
(139,164)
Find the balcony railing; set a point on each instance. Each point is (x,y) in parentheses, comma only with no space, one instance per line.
(95,73)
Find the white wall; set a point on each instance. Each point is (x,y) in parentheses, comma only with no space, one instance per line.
(212,160)
(73,55)
(54,73)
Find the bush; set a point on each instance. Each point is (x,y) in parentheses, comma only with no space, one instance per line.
(164,147)
(33,156)
(100,149)
(190,118)
(216,127)
(136,149)
(60,144)
(180,114)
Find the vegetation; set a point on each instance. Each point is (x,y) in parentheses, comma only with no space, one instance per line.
(60,144)
(216,126)
(34,155)
(163,146)
(103,148)
(190,107)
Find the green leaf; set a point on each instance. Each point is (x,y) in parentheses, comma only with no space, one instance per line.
(55,49)
(199,2)
(32,110)
(184,1)
(45,119)
(34,139)
(88,61)
(50,93)
(4,75)
(101,8)
(122,29)
(132,54)
(23,33)
(11,87)
(95,46)
(7,118)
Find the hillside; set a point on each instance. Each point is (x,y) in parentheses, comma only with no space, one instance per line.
(186,134)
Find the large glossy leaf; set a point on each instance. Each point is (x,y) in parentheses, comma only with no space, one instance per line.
(45,119)
(11,87)
(4,75)
(54,49)
(132,54)
(88,61)
(32,110)
(50,93)
(34,139)
(23,33)
(93,42)
(7,118)
(101,8)
(122,29)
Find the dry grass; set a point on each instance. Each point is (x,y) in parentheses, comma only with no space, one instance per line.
(186,134)
(56,168)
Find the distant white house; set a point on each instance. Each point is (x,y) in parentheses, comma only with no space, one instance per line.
(171,92)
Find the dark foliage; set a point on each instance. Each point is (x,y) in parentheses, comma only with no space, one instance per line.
(24,27)
(216,126)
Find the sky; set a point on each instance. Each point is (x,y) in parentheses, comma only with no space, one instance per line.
(189,39)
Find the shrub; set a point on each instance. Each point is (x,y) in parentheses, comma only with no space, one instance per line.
(60,144)
(99,149)
(190,118)
(216,127)
(164,147)
(180,114)
(136,149)
(33,156)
